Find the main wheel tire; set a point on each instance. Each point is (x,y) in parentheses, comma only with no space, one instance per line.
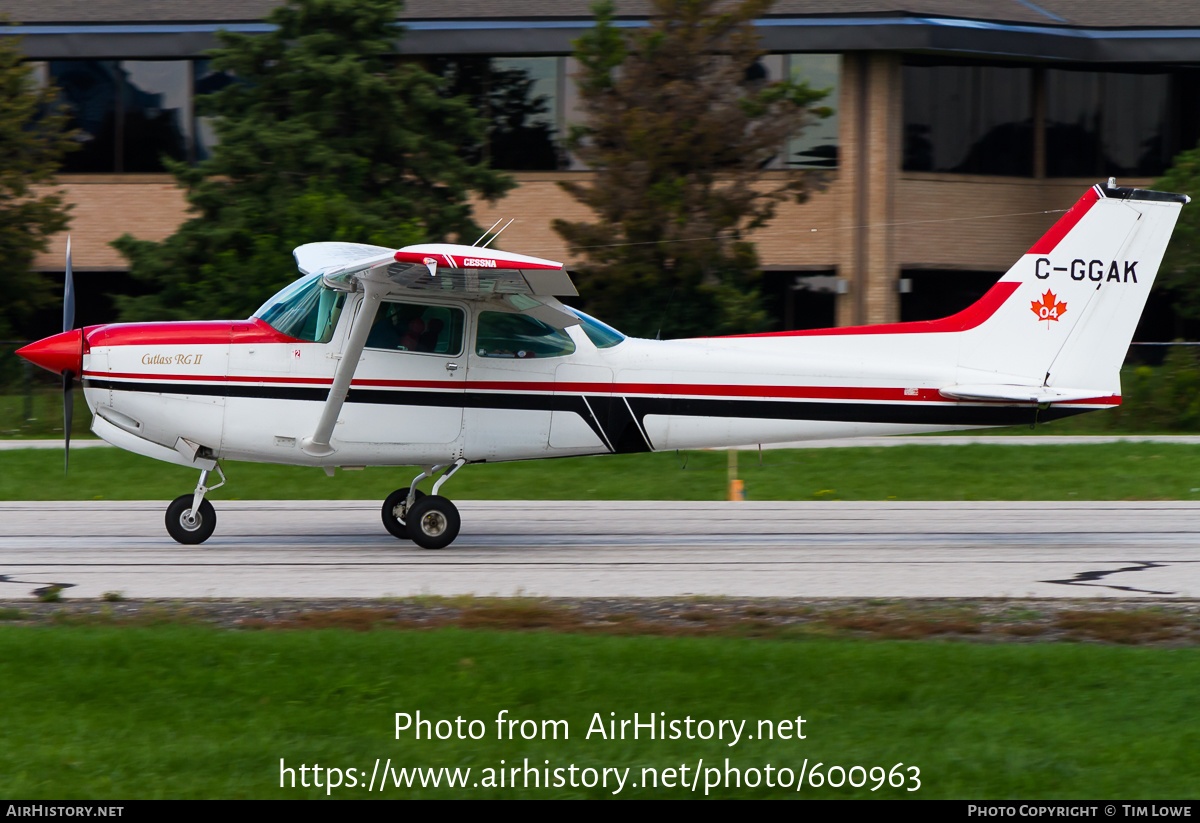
(186,530)
(433,522)
(394,516)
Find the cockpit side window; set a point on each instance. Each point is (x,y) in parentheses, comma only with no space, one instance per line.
(415,327)
(518,335)
(306,310)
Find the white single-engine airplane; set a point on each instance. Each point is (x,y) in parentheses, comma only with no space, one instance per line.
(440,355)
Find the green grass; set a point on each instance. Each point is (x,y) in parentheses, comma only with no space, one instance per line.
(181,711)
(39,414)
(1118,471)
(178,712)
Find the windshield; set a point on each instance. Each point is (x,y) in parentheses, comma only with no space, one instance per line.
(602,335)
(305,310)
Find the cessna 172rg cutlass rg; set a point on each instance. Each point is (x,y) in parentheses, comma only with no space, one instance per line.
(441,355)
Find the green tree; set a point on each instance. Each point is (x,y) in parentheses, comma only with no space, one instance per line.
(33,140)
(680,130)
(1180,271)
(326,135)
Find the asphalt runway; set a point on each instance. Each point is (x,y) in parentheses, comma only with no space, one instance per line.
(318,549)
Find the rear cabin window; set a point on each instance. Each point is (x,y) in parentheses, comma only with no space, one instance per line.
(520,336)
(415,327)
(306,310)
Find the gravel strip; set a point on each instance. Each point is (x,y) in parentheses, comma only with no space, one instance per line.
(1125,621)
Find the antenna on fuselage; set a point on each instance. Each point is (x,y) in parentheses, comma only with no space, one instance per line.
(486,233)
(497,234)
(670,297)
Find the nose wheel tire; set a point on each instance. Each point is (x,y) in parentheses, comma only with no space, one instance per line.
(395,517)
(186,529)
(433,522)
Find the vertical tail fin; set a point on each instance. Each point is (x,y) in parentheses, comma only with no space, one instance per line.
(1073,300)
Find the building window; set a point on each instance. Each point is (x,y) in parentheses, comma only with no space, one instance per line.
(937,293)
(90,89)
(519,99)
(801,299)
(206,80)
(156,113)
(968,119)
(129,113)
(530,103)
(1108,123)
(525,116)
(817,146)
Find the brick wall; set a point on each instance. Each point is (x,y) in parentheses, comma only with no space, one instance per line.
(933,221)
(984,223)
(105,207)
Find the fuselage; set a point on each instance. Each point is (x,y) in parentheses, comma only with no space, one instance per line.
(243,390)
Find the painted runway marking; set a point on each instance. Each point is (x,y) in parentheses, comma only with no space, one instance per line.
(1085,578)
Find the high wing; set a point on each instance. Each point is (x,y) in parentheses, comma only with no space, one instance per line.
(466,272)
(529,284)
(327,257)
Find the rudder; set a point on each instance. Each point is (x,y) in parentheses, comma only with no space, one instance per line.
(1076,297)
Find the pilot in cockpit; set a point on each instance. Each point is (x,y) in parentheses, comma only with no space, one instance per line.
(404,327)
(428,341)
(413,336)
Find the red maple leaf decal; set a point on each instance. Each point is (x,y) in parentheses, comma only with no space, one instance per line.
(1048,308)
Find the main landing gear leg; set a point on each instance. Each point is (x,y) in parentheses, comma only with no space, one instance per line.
(431,521)
(190,518)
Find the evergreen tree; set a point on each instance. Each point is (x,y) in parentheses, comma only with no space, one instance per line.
(33,139)
(324,135)
(1180,270)
(680,130)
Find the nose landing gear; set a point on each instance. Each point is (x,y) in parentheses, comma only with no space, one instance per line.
(431,521)
(190,518)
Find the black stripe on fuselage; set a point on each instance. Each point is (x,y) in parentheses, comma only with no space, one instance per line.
(610,419)
(942,414)
(618,419)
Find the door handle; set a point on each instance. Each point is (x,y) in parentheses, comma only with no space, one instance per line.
(451,367)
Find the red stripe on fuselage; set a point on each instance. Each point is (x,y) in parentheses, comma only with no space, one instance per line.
(189,332)
(222,378)
(970,317)
(979,311)
(883,394)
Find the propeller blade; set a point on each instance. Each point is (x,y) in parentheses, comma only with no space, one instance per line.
(69,293)
(68,376)
(68,416)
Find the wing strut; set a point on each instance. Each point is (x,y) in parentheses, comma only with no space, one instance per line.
(318,444)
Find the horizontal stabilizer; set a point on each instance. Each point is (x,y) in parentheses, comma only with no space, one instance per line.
(1020,394)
